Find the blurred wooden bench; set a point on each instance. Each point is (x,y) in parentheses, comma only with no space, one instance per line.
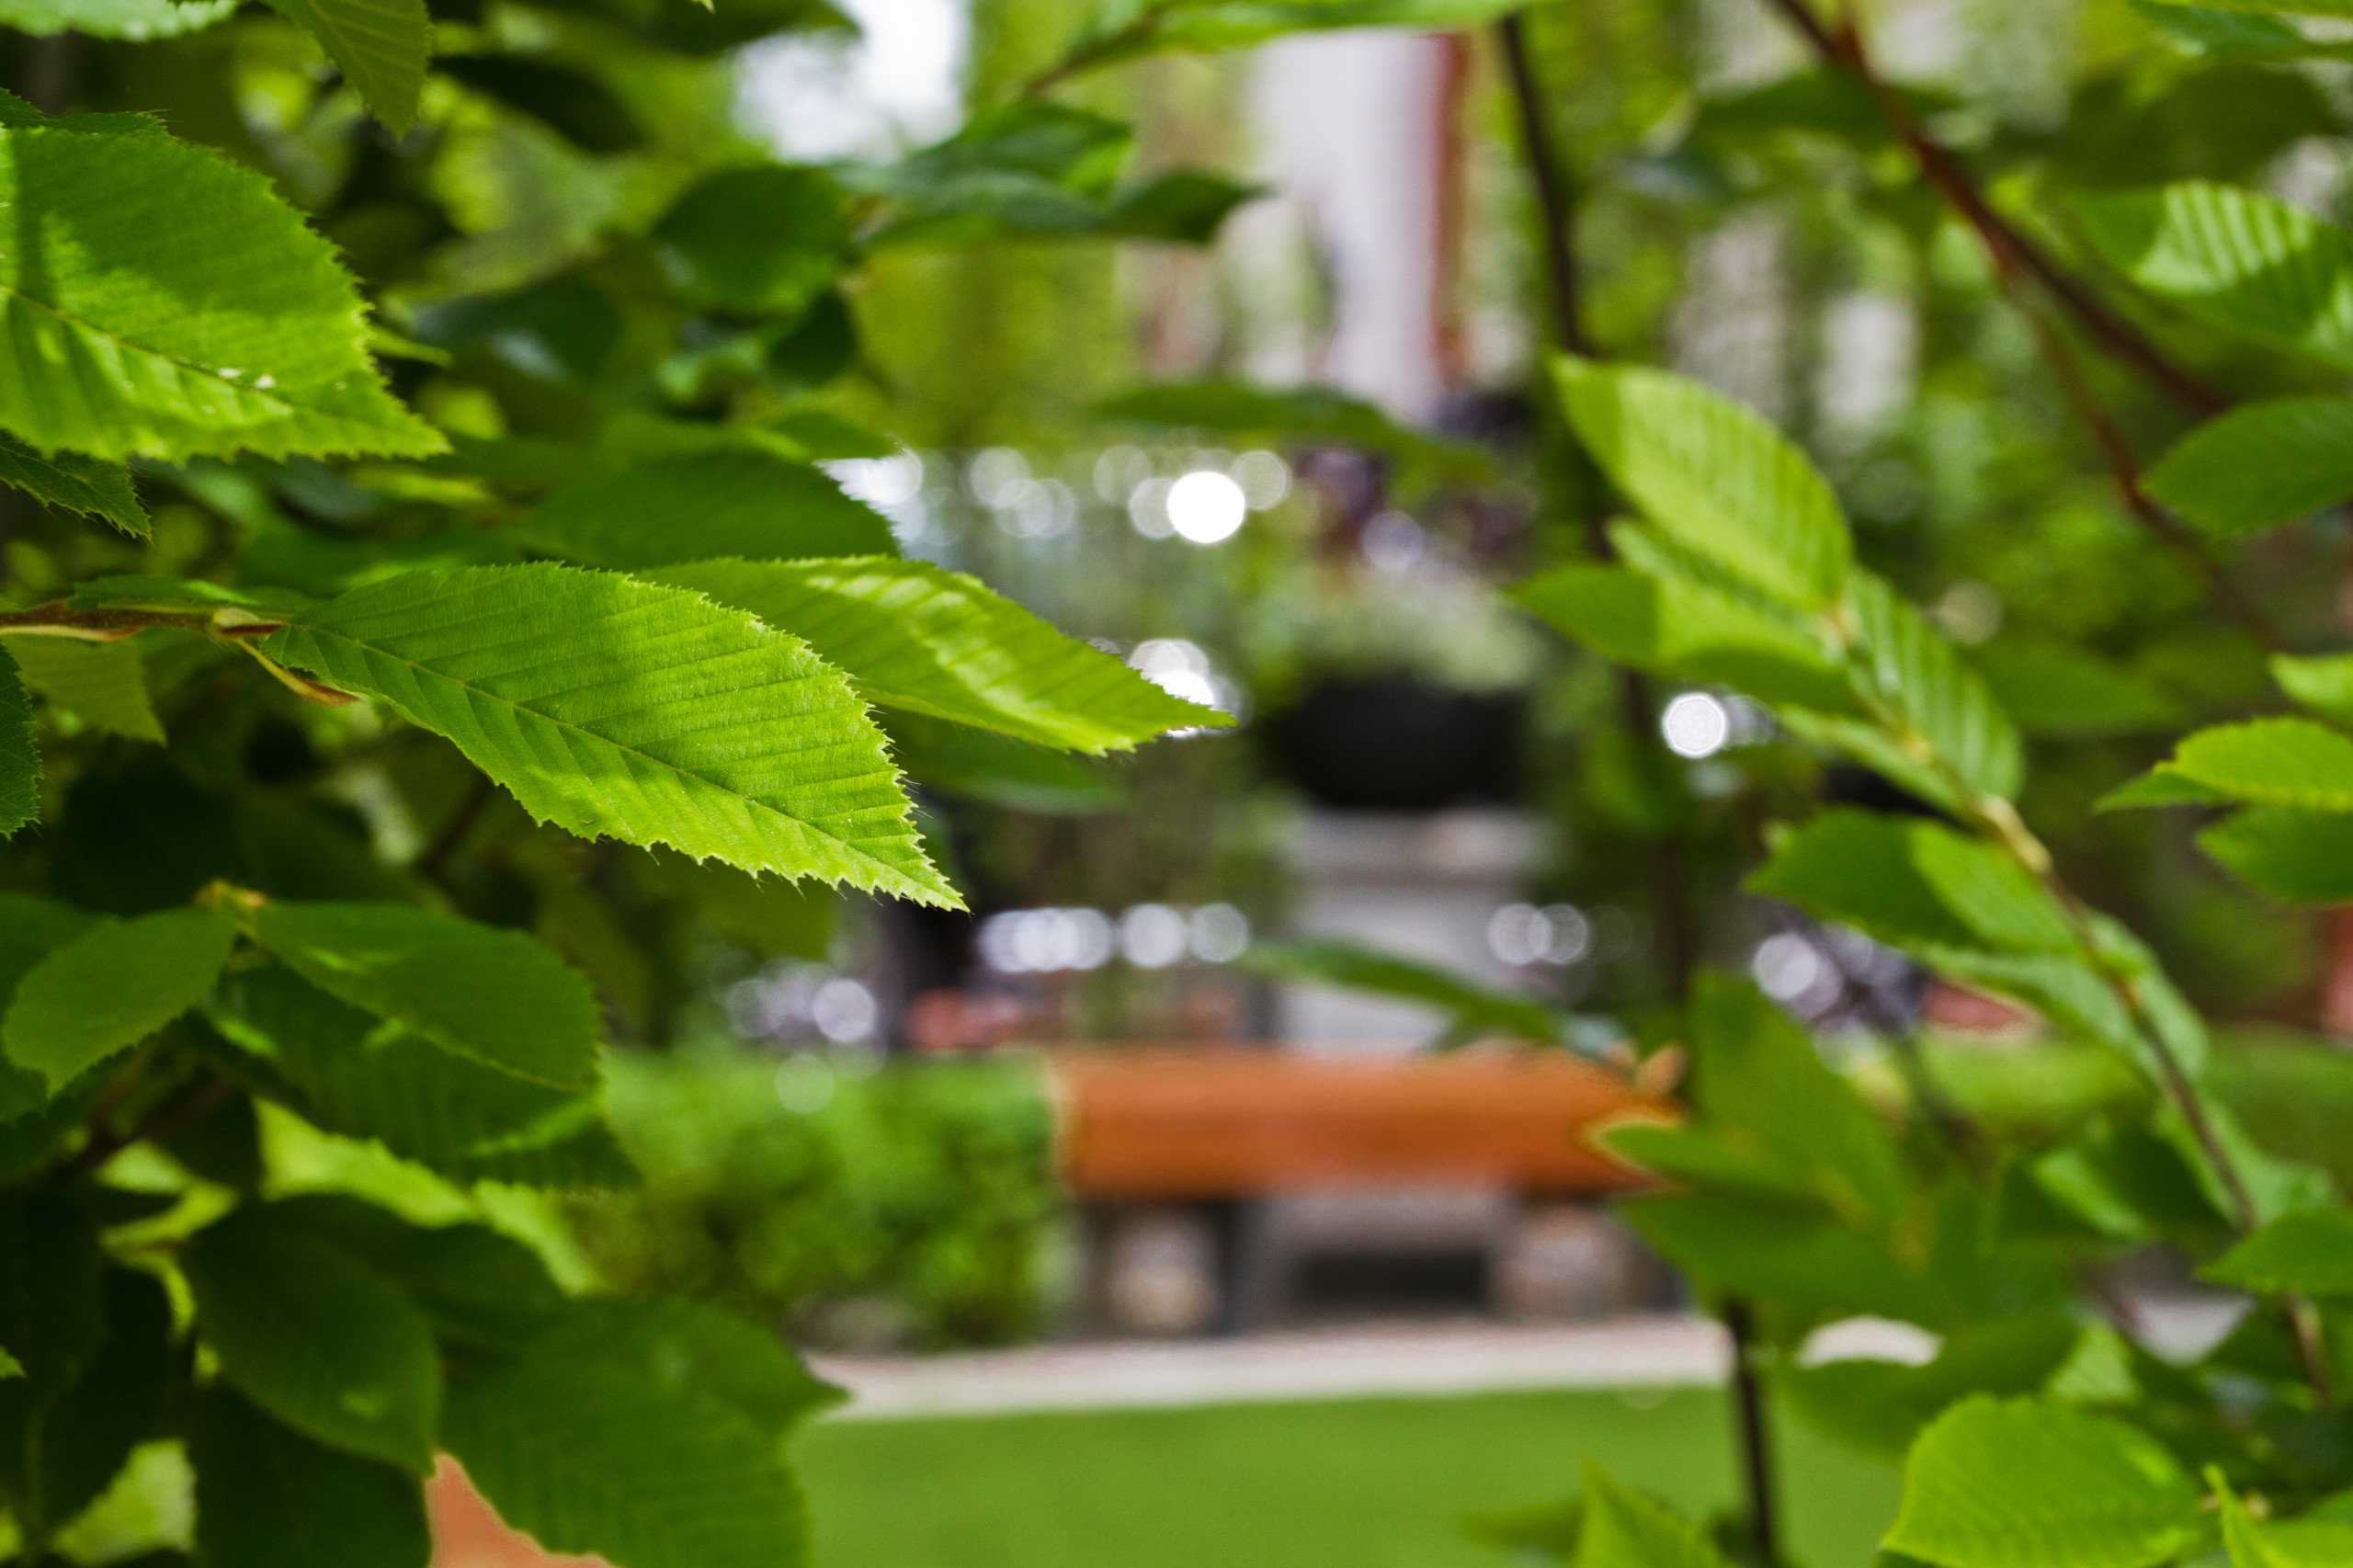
(1222,1124)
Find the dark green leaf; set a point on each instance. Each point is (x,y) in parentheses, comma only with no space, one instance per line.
(703,506)
(1183,207)
(316,1337)
(572,103)
(348,1071)
(19,758)
(2050,688)
(75,482)
(1313,415)
(765,240)
(1914,883)
(266,1497)
(1880,1406)
(1474,1008)
(74,1446)
(1799,1260)
(29,928)
(482,1291)
(1625,1529)
(112,987)
(501,998)
(2302,856)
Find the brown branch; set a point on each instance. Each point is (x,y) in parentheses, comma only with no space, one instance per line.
(2012,251)
(1556,201)
(1756,1438)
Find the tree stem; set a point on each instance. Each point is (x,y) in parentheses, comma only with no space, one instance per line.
(1755,1440)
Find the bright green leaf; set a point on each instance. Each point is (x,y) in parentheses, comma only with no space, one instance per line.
(19,757)
(959,760)
(266,1497)
(2271,762)
(2261,465)
(102,684)
(1912,881)
(1938,701)
(185,309)
(112,986)
(916,636)
(705,505)
(1626,1530)
(2022,1483)
(645,713)
(316,1337)
(135,21)
(2241,260)
(2324,684)
(2311,1251)
(500,997)
(1714,477)
(1799,1259)
(378,45)
(29,928)
(76,484)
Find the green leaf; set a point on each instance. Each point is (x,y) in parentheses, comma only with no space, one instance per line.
(19,757)
(766,241)
(1799,1259)
(29,930)
(378,45)
(1714,477)
(2274,7)
(112,987)
(499,998)
(2022,1483)
(2240,260)
(957,760)
(1185,207)
(705,505)
(316,1337)
(2271,762)
(2051,688)
(767,914)
(1671,625)
(348,1071)
(10,1367)
(572,103)
(225,606)
(102,684)
(1123,31)
(920,637)
(1296,414)
(693,1347)
(1756,1074)
(52,1297)
(2311,1251)
(1880,1406)
(2313,1541)
(2259,466)
(67,1450)
(2299,856)
(2221,29)
(1475,1009)
(1936,699)
(1625,1529)
(621,709)
(558,1443)
(266,1497)
(481,1290)
(2161,787)
(136,21)
(1914,883)
(2324,684)
(184,311)
(75,482)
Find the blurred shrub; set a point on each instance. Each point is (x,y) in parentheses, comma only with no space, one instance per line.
(2290,1090)
(914,1206)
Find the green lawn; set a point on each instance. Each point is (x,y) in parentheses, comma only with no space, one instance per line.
(1354,1483)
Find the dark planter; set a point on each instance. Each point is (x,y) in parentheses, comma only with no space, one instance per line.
(1396,744)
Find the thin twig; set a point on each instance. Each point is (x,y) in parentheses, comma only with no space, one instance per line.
(184,1110)
(1756,1438)
(2011,249)
(453,833)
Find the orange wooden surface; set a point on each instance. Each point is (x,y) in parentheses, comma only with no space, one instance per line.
(467,1534)
(1230,1124)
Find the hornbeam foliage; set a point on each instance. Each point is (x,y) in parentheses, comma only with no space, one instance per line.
(362,781)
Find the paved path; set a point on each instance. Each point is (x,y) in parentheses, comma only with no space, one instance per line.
(1428,1359)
